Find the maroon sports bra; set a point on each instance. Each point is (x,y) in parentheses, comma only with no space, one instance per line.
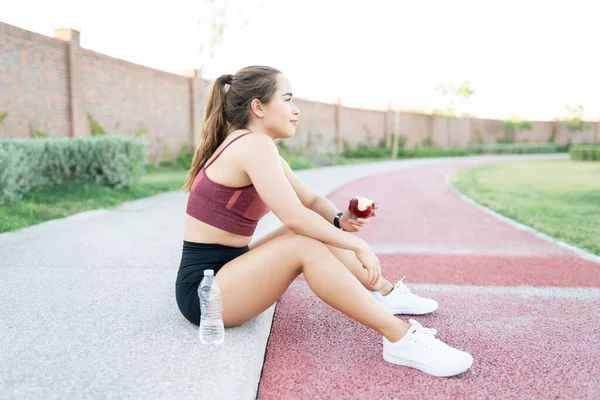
(233,209)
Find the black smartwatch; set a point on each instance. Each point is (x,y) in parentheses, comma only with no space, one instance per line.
(336,220)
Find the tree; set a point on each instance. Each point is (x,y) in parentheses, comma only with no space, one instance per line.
(512,126)
(212,32)
(454,93)
(574,121)
(218,19)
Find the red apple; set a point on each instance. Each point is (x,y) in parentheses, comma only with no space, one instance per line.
(361,207)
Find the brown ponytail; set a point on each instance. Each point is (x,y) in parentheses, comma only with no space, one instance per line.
(213,132)
(228,111)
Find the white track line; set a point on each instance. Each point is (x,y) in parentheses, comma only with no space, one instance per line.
(464,250)
(523,291)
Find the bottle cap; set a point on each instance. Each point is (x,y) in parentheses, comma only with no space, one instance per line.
(209,272)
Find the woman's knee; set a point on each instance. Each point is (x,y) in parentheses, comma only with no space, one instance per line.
(306,246)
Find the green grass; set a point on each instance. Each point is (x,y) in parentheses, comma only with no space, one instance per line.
(560,197)
(47,204)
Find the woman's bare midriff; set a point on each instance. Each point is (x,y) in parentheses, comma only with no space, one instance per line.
(200,232)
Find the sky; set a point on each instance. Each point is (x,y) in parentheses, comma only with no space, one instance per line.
(527,58)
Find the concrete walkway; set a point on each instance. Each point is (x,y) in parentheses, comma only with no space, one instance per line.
(88,307)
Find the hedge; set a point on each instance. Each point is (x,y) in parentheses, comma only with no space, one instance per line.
(514,148)
(585,152)
(27,164)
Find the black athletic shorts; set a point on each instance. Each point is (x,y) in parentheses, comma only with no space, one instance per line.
(195,258)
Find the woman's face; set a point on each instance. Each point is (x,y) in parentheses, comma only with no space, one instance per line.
(281,114)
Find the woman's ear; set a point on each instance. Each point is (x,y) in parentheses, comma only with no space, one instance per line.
(257,109)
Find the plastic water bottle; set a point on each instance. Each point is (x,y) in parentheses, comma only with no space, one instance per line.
(212,331)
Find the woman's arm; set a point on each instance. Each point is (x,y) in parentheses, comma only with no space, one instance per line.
(320,204)
(263,166)
(325,208)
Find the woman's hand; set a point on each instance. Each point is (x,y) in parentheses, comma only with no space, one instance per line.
(370,262)
(350,223)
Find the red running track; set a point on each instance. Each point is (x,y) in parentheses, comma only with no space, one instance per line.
(526,344)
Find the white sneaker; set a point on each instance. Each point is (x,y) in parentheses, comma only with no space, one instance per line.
(402,301)
(420,349)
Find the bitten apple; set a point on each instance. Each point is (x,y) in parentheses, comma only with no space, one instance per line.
(361,207)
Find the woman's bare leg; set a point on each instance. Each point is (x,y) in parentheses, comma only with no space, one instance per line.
(347,257)
(254,281)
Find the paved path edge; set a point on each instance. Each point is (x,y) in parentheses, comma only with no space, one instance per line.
(580,252)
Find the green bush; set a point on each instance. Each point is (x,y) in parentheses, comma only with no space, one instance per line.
(432,152)
(298,162)
(183,160)
(429,150)
(27,164)
(365,151)
(428,142)
(513,148)
(511,126)
(95,128)
(17,176)
(296,159)
(185,157)
(585,152)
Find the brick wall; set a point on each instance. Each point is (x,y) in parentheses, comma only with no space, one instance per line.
(33,83)
(317,128)
(125,98)
(52,85)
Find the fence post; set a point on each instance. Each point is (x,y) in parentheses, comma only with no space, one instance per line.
(78,122)
(193,82)
(387,132)
(396,134)
(338,133)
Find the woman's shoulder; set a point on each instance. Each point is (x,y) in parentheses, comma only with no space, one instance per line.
(258,136)
(259,149)
(259,140)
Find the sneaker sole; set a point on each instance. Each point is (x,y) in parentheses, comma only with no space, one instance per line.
(442,373)
(412,311)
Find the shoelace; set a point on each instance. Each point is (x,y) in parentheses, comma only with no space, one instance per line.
(421,328)
(402,287)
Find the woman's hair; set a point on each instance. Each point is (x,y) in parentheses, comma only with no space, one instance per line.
(229,110)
